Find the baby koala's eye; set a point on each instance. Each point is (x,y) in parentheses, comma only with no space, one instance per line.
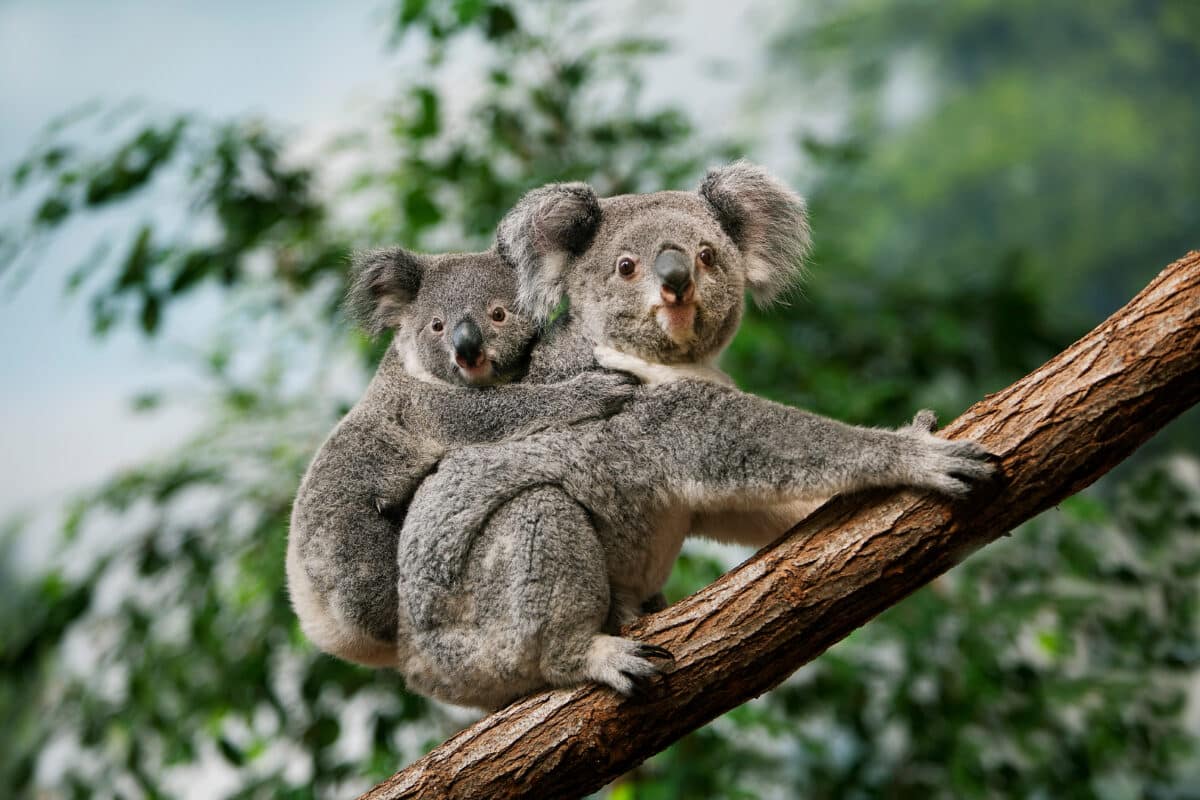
(626,266)
(437,325)
(706,256)
(499,314)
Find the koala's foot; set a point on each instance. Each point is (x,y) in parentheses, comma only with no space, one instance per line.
(656,603)
(947,466)
(624,664)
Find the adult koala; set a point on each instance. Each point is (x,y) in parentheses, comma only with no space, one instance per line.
(519,560)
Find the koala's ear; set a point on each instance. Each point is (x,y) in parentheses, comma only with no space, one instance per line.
(540,234)
(382,282)
(766,220)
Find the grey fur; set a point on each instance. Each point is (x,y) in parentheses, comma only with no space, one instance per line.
(523,585)
(382,283)
(545,227)
(768,221)
(345,521)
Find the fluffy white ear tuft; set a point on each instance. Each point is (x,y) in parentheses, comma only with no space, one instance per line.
(766,220)
(540,235)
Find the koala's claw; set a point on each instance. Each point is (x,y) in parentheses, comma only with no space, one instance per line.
(390,510)
(623,664)
(953,467)
(602,394)
(948,466)
(654,651)
(639,685)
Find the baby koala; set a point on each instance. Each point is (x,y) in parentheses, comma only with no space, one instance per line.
(445,381)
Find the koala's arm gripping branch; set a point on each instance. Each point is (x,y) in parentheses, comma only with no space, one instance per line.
(1055,431)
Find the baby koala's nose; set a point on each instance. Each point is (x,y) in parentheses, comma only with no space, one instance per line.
(675,272)
(468,343)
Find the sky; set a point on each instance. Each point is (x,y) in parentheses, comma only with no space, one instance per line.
(65,416)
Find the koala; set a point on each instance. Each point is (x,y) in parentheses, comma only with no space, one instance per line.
(445,381)
(519,561)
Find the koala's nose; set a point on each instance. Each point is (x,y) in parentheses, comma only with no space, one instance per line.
(468,343)
(675,272)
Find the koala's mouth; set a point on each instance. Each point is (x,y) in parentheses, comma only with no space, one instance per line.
(677,320)
(481,370)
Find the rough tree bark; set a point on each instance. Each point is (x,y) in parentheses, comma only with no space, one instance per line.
(1054,431)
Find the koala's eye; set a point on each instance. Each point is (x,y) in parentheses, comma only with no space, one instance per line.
(499,314)
(626,266)
(437,325)
(706,256)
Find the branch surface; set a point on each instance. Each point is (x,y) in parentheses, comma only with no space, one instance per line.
(1055,431)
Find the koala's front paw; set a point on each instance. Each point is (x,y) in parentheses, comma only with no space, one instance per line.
(944,465)
(624,664)
(602,394)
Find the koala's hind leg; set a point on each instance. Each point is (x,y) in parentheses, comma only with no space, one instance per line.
(539,596)
(569,585)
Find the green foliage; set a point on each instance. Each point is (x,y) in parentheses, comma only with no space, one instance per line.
(234,183)
(1038,184)
(1047,171)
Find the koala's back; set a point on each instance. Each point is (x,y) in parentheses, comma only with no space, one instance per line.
(341,560)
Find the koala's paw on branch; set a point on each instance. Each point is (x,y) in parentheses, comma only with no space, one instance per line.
(947,466)
(625,664)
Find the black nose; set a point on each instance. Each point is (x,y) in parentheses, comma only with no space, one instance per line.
(468,342)
(673,269)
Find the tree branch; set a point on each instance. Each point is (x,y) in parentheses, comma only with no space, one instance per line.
(1055,431)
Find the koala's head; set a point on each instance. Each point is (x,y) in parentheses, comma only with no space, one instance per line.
(455,316)
(663,275)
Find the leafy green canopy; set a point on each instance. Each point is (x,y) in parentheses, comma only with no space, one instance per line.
(1045,173)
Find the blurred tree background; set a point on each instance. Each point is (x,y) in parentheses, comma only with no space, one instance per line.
(987,180)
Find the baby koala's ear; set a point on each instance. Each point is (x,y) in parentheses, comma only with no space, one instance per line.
(766,220)
(382,282)
(543,231)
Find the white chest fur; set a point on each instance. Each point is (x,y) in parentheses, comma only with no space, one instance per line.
(653,374)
